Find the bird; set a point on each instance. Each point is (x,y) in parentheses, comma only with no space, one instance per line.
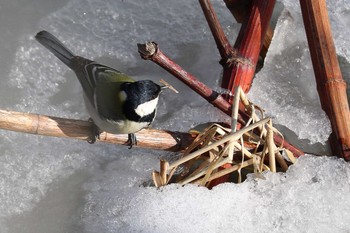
(116,103)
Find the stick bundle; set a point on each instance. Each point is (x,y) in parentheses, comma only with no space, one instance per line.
(219,151)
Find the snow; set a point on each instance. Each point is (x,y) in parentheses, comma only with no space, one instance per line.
(61,185)
(310,197)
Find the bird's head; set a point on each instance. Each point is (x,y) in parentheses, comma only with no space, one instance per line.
(141,99)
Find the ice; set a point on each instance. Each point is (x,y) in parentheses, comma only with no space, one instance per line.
(61,185)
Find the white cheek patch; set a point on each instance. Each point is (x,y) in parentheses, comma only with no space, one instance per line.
(146,108)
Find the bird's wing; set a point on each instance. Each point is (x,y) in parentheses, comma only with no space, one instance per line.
(108,102)
(101,86)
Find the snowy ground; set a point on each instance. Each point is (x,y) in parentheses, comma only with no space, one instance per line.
(59,185)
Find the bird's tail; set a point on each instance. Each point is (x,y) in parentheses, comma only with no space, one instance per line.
(56,47)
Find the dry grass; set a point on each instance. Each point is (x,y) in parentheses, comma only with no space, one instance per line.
(218,152)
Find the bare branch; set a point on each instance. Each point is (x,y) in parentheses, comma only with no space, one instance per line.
(81,130)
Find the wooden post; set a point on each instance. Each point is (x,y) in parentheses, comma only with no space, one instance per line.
(330,84)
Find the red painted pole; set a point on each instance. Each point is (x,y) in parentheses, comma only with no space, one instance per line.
(239,71)
(330,84)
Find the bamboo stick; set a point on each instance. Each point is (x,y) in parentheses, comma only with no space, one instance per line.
(240,71)
(238,8)
(239,11)
(81,130)
(330,84)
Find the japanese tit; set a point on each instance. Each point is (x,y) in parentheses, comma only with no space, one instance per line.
(116,103)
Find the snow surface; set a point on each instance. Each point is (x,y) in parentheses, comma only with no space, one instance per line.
(59,185)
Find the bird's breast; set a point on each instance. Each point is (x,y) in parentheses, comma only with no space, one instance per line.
(126,126)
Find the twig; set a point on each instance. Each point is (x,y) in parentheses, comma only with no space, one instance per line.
(235,109)
(81,130)
(151,51)
(270,146)
(224,47)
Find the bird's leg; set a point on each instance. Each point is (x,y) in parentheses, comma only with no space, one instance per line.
(132,140)
(95,133)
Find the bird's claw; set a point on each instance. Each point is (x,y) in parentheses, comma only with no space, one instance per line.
(131,140)
(95,133)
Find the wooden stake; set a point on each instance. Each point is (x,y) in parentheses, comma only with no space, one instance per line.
(330,84)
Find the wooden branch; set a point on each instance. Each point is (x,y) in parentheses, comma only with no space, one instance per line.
(151,51)
(330,84)
(81,130)
(248,45)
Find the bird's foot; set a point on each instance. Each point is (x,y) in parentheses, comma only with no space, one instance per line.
(95,133)
(131,140)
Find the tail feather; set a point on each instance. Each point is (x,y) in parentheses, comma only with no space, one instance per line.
(56,47)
